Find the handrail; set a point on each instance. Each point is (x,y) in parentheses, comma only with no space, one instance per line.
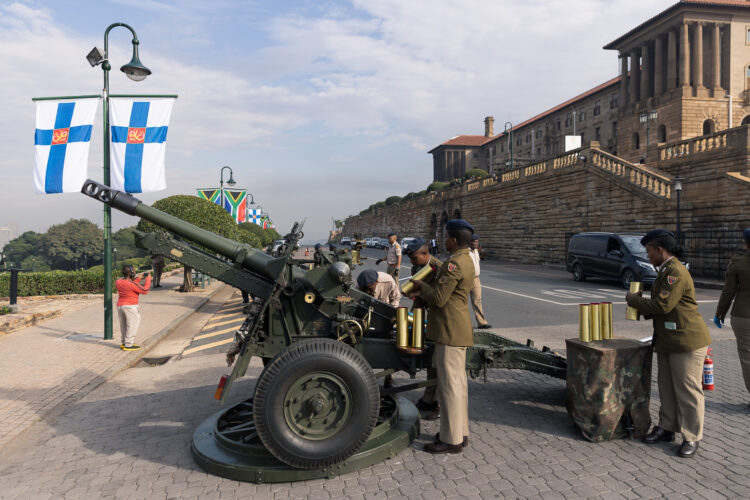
(654,183)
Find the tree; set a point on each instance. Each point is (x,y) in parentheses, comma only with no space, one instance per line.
(392,200)
(437,186)
(264,236)
(22,247)
(201,213)
(475,173)
(67,245)
(124,241)
(338,223)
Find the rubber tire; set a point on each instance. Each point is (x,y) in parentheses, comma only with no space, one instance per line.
(578,272)
(627,276)
(295,361)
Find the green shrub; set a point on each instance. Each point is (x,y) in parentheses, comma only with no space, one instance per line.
(409,196)
(4,310)
(437,186)
(477,173)
(392,200)
(54,283)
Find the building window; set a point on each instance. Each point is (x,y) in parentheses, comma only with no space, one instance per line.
(709,127)
(502,147)
(518,141)
(636,141)
(614,130)
(747,78)
(538,151)
(528,137)
(568,120)
(661,133)
(582,115)
(598,136)
(748,36)
(746,120)
(476,155)
(558,124)
(583,137)
(597,108)
(538,134)
(614,100)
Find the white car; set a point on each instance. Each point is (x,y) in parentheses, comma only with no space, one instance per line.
(406,241)
(345,240)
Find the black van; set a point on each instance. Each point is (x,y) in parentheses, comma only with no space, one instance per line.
(609,255)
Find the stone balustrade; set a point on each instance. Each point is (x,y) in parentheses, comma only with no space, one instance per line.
(641,177)
(535,169)
(703,144)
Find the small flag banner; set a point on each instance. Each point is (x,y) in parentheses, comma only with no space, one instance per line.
(255,215)
(138,142)
(235,202)
(61,144)
(212,194)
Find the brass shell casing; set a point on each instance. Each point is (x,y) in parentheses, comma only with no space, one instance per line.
(605,318)
(408,286)
(583,323)
(402,327)
(632,313)
(595,324)
(417,329)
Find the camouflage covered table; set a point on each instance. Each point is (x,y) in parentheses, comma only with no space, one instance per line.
(608,387)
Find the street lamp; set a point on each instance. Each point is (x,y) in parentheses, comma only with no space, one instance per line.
(510,140)
(136,72)
(678,188)
(647,118)
(221,182)
(114,254)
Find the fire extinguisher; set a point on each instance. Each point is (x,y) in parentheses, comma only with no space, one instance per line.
(708,372)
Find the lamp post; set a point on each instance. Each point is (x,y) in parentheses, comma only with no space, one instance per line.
(647,118)
(510,141)
(114,255)
(678,188)
(221,182)
(136,72)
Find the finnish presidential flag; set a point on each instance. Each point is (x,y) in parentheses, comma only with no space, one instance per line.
(61,144)
(138,140)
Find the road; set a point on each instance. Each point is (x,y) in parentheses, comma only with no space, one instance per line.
(533,302)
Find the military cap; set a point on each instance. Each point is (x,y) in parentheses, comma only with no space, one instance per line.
(655,233)
(391,234)
(367,278)
(415,245)
(746,235)
(474,237)
(318,246)
(459,224)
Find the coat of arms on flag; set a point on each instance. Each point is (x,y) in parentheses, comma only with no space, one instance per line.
(61,143)
(138,135)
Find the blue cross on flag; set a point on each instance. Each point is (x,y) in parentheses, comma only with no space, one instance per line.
(61,144)
(138,142)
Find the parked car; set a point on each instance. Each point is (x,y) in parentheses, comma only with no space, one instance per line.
(276,246)
(383,243)
(345,240)
(406,241)
(370,242)
(609,255)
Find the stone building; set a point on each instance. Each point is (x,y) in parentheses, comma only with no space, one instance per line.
(670,106)
(684,73)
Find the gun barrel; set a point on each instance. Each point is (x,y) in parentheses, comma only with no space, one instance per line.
(252,259)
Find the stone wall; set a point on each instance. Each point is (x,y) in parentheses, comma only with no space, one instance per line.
(527,214)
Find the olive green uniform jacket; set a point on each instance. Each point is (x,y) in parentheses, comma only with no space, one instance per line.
(448,299)
(431,279)
(737,288)
(678,326)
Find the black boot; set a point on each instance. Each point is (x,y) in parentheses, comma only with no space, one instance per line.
(658,435)
(688,449)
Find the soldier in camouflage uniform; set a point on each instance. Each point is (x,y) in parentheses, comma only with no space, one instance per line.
(681,340)
(418,252)
(737,288)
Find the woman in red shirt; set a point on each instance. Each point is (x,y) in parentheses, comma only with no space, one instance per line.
(128,289)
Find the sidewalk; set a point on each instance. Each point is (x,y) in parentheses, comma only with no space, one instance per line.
(45,368)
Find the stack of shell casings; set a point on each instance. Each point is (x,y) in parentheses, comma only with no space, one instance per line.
(632,313)
(595,321)
(416,339)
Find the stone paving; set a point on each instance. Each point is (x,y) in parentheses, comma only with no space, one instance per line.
(130,438)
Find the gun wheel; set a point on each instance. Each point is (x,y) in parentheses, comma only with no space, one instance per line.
(316,404)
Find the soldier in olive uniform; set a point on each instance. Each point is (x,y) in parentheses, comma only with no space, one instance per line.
(737,288)
(418,252)
(681,340)
(450,328)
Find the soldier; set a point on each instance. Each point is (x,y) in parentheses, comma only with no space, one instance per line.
(450,328)
(379,285)
(737,288)
(393,257)
(419,255)
(157,262)
(681,340)
(476,289)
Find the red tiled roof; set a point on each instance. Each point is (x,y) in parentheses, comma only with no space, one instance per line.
(466,140)
(696,3)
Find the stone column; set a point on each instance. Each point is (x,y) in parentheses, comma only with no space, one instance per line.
(671,60)
(698,56)
(645,71)
(684,55)
(658,66)
(623,79)
(635,76)
(716,61)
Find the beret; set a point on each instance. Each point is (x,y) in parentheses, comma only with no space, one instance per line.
(655,233)
(746,235)
(318,246)
(367,278)
(391,234)
(415,245)
(459,224)
(474,237)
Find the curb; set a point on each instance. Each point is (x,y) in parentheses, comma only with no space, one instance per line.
(110,372)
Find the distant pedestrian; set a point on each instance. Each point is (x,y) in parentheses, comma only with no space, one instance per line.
(680,341)
(128,290)
(393,257)
(737,288)
(476,289)
(433,246)
(157,262)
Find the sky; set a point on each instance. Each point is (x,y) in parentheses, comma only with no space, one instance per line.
(320,107)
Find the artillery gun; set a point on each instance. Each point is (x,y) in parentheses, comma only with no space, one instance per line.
(317,409)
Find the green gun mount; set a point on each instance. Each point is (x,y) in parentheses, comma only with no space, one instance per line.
(317,409)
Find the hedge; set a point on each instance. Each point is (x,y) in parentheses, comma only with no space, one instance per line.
(475,173)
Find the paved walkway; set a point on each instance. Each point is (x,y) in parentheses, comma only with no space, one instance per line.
(47,367)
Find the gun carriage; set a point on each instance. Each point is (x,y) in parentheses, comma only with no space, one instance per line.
(317,409)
